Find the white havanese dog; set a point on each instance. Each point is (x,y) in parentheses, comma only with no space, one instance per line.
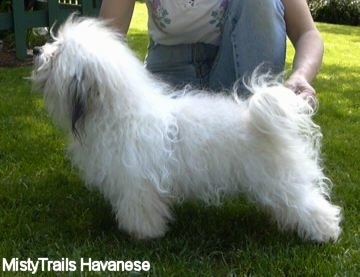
(146,149)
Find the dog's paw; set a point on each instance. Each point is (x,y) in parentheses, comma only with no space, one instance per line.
(144,215)
(314,218)
(321,223)
(147,226)
(326,226)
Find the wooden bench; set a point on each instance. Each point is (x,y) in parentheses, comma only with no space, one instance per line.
(43,14)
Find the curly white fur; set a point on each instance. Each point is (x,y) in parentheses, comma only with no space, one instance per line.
(145,149)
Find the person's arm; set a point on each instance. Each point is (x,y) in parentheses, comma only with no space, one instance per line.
(119,12)
(308,44)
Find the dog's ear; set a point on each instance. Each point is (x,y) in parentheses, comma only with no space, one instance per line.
(78,103)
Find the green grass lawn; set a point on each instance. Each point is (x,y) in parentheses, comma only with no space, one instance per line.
(45,210)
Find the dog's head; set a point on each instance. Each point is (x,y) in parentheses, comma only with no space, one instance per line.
(83,67)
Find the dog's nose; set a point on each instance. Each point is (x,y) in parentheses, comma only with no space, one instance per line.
(37,51)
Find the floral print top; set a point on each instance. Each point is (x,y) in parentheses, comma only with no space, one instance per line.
(186,21)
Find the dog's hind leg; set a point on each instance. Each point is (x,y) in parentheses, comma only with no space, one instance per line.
(283,172)
(294,192)
(310,214)
(142,211)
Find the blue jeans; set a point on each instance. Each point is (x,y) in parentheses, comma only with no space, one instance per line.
(254,33)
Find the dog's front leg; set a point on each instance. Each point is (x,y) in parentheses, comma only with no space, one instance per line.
(141,211)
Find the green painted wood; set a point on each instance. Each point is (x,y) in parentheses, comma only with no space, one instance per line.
(19,28)
(6,21)
(45,14)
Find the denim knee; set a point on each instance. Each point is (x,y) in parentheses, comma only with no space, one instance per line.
(254,33)
(259,10)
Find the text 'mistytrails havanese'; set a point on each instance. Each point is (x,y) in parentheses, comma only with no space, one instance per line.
(146,150)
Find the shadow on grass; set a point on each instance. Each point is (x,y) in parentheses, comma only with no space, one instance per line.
(78,216)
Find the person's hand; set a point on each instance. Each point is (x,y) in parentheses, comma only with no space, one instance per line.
(300,86)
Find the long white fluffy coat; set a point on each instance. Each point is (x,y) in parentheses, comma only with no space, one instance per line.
(145,149)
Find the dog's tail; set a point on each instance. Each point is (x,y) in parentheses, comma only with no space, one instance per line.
(281,127)
(281,115)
